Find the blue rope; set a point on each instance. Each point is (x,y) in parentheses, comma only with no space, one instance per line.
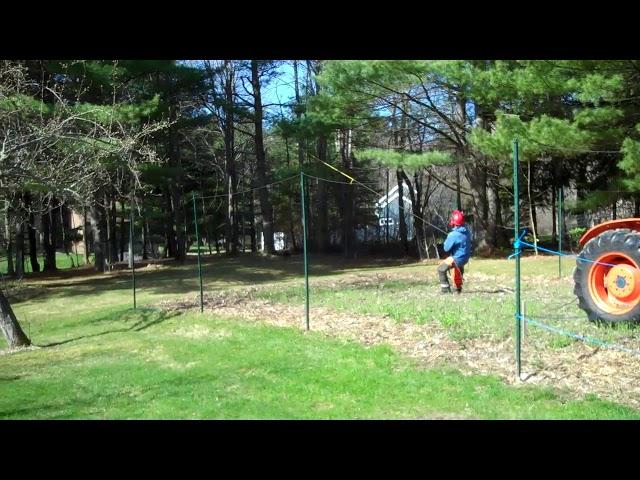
(519,243)
(516,245)
(559,317)
(582,338)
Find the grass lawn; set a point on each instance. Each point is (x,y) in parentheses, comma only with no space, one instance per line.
(63,261)
(126,365)
(99,359)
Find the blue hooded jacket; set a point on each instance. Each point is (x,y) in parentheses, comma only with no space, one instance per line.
(458,242)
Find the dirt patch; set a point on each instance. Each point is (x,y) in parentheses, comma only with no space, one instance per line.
(577,369)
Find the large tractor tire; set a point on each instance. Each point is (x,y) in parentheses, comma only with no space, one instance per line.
(609,291)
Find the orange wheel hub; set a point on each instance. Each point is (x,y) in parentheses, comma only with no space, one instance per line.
(615,288)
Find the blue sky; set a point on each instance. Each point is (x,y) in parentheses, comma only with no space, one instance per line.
(281,91)
(282,88)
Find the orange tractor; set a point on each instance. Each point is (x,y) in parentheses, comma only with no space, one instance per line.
(607,274)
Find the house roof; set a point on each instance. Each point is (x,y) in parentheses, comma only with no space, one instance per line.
(393,195)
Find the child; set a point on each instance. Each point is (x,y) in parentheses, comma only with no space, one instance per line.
(458,242)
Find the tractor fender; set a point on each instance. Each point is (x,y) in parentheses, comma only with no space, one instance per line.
(631,223)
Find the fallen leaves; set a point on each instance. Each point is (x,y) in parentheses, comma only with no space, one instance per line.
(578,368)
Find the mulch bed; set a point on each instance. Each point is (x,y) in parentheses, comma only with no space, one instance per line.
(577,369)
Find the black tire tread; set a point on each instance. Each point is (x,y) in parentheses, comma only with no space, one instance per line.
(621,239)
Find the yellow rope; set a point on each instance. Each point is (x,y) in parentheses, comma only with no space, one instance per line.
(401,207)
(334,168)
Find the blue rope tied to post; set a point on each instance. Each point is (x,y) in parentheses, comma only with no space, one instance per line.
(517,244)
(582,338)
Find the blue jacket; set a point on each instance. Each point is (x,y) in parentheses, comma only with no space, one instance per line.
(458,242)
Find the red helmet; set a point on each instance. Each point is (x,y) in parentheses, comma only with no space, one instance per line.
(457,219)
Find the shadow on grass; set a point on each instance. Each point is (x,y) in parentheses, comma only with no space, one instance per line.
(219,272)
(148,320)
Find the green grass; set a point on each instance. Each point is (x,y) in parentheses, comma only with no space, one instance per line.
(63,261)
(411,300)
(486,307)
(104,361)
(126,365)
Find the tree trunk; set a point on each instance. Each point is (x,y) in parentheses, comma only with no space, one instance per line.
(11,329)
(98,231)
(322,207)
(177,195)
(33,244)
(482,203)
(131,243)
(461,118)
(86,235)
(486,201)
(418,215)
(301,143)
(205,222)
(108,233)
(386,214)
(401,211)
(554,229)
(56,228)
(19,243)
(532,209)
(179,217)
(500,233)
(252,228)
(458,194)
(405,145)
(347,196)
(321,214)
(236,208)
(122,231)
(145,240)
(113,234)
(169,228)
(534,218)
(8,240)
(231,231)
(581,193)
(145,235)
(262,169)
(292,231)
(49,240)
(416,202)
(64,228)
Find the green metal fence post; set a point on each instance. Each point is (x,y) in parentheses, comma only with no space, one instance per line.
(195,222)
(304,241)
(132,256)
(516,231)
